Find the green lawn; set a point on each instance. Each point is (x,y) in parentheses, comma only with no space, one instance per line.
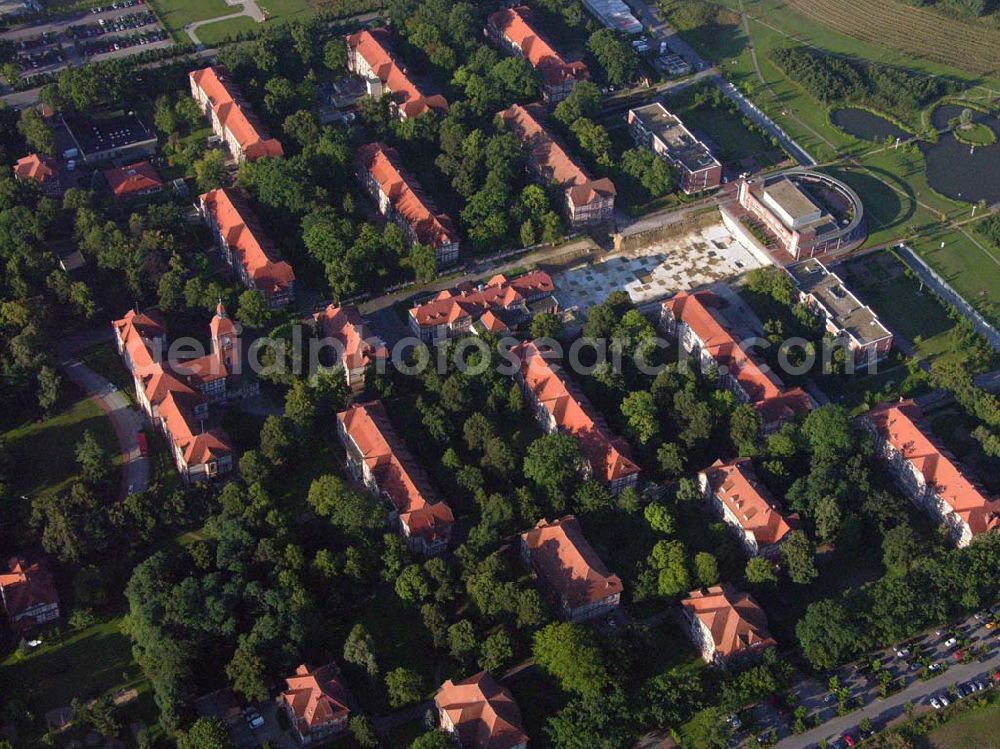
(54,442)
(285,9)
(213,34)
(176,14)
(978,728)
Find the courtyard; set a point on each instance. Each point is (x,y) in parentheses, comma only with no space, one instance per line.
(658,269)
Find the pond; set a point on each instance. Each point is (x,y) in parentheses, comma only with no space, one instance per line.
(957,170)
(863,124)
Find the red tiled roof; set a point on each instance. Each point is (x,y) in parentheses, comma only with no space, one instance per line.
(346,325)
(167,391)
(608,455)
(551,159)
(235,114)
(492,323)
(736,485)
(374,46)
(316,696)
(406,195)
(902,426)
(36,167)
(515,25)
(484,714)
(133,179)
(26,587)
(771,400)
(737,623)
(567,563)
(243,233)
(396,472)
(497,294)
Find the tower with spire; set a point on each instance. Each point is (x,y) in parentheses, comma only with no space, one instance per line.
(224,337)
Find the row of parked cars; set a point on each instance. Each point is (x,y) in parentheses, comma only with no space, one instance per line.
(939,701)
(44,59)
(116,6)
(104,26)
(113,44)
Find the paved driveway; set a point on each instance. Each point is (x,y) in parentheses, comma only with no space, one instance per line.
(125,419)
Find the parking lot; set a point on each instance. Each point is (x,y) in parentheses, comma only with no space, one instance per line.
(657,270)
(104,32)
(920,670)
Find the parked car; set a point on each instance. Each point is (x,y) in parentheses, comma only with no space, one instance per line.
(958,655)
(849,740)
(902,652)
(944,700)
(935,667)
(936,703)
(950,642)
(253,717)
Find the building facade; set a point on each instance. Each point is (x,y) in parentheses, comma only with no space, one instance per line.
(513,30)
(245,246)
(570,573)
(587,202)
(379,460)
(317,703)
(734,494)
(357,348)
(480,714)
(402,200)
(28,594)
(929,475)
(727,626)
(233,121)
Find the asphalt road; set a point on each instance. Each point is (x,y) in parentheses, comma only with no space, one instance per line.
(124,418)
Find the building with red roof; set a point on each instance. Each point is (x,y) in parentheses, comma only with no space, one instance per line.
(930,475)
(560,406)
(587,201)
(571,574)
(697,320)
(480,714)
(735,494)
(726,625)
(317,703)
(175,395)
(42,170)
(401,199)
(500,304)
(379,460)
(133,181)
(513,30)
(369,55)
(29,594)
(356,347)
(232,118)
(243,244)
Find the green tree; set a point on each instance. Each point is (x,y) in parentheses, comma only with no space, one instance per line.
(706,569)
(206,733)
(760,571)
(461,638)
(615,56)
(900,549)
(253,309)
(826,634)
(412,585)
(659,518)
(94,461)
(799,556)
(276,440)
(496,651)
(546,325)
(36,132)
(569,653)
(363,730)
(346,508)
(302,127)
(210,170)
(49,383)
(359,649)
(552,463)
(404,686)
(669,559)
(433,740)
(640,412)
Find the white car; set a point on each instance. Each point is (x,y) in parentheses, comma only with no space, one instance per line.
(950,642)
(254,719)
(944,700)
(935,703)
(902,652)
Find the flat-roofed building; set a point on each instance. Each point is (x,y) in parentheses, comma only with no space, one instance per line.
(846,318)
(514,30)
(105,136)
(807,212)
(587,201)
(615,15)
(654,126)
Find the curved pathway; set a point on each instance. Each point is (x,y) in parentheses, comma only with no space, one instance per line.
(249,8)
(124,418)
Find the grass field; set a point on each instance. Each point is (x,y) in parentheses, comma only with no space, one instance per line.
(55,438)
(212,34)
(978,728)
(176,14)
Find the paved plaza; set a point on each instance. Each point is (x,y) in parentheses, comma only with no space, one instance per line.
(657,270)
